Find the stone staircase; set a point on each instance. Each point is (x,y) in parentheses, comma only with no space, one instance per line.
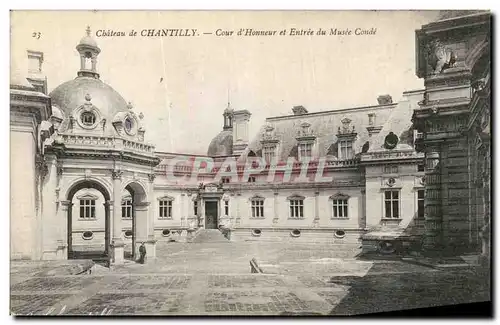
(210,236)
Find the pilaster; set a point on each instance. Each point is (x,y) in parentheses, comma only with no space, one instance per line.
(117,244)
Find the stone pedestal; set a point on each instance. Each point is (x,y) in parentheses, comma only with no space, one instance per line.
(117,251)
(62,250)
(150,249)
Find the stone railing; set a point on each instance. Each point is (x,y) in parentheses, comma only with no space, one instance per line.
(104,142)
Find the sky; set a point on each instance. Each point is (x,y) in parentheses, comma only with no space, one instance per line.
(183,84)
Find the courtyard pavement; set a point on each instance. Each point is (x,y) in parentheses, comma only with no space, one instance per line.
(215,279)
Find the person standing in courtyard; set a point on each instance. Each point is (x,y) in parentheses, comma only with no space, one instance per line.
(142,252)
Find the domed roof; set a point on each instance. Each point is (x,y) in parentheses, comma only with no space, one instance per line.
(72,94)
(88,41)
(222,144)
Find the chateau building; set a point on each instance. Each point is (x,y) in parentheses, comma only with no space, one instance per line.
(85,182)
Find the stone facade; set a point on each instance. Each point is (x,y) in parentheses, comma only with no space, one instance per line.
(453,57)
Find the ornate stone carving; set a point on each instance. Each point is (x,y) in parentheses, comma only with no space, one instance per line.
(151,177)
(439,57)
(41,165)
(117,174)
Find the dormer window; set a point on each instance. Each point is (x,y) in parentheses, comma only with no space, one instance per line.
(345,149)
(305,150)
(269,143)
(268,151)
(88,118)
(346,137)
(305,138)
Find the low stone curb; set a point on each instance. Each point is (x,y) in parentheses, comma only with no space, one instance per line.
(71,268)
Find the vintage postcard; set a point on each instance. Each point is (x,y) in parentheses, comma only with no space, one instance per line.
(284,163)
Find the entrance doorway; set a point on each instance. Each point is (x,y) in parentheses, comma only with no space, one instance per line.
(211,213)
(91,204)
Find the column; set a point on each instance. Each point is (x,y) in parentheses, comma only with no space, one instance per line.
(108,225)
(201,219)
(150,220)
(82,62)
(276,210)
(117,245)
(238,211)
(363,210)
(94,62)
(316,208)
(486,229)
(49,214)
(433,219)
(64,241)
(183,209)
(141,210)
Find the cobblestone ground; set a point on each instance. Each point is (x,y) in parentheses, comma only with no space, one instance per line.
(215,279)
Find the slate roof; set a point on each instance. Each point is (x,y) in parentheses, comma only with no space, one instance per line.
(325,125)
(399,122)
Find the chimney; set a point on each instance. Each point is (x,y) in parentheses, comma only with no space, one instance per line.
(299,110)
(384,99)
(240,131)
(35,74)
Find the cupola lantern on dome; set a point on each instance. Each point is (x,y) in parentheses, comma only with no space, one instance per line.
(228,117)
(89,51)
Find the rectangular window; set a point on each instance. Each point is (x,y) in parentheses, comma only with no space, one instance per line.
(420,168)
(420,204)
(225,180)
(346,151)
(257,208)
(127,209)
(296,209)
(165,209)
(226,208)
(391,200)
(269,153)
(391,169)
(305,150)
(340,208)
(87,209)
(251,179)
(195,208)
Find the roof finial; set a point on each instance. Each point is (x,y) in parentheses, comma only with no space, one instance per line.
(88,30)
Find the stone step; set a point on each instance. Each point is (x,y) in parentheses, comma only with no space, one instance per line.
(210,236)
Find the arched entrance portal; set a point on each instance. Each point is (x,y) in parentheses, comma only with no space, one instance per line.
(140,208)
(87,239)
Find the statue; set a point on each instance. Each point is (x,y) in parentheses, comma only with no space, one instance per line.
(142,252)
(439,57)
